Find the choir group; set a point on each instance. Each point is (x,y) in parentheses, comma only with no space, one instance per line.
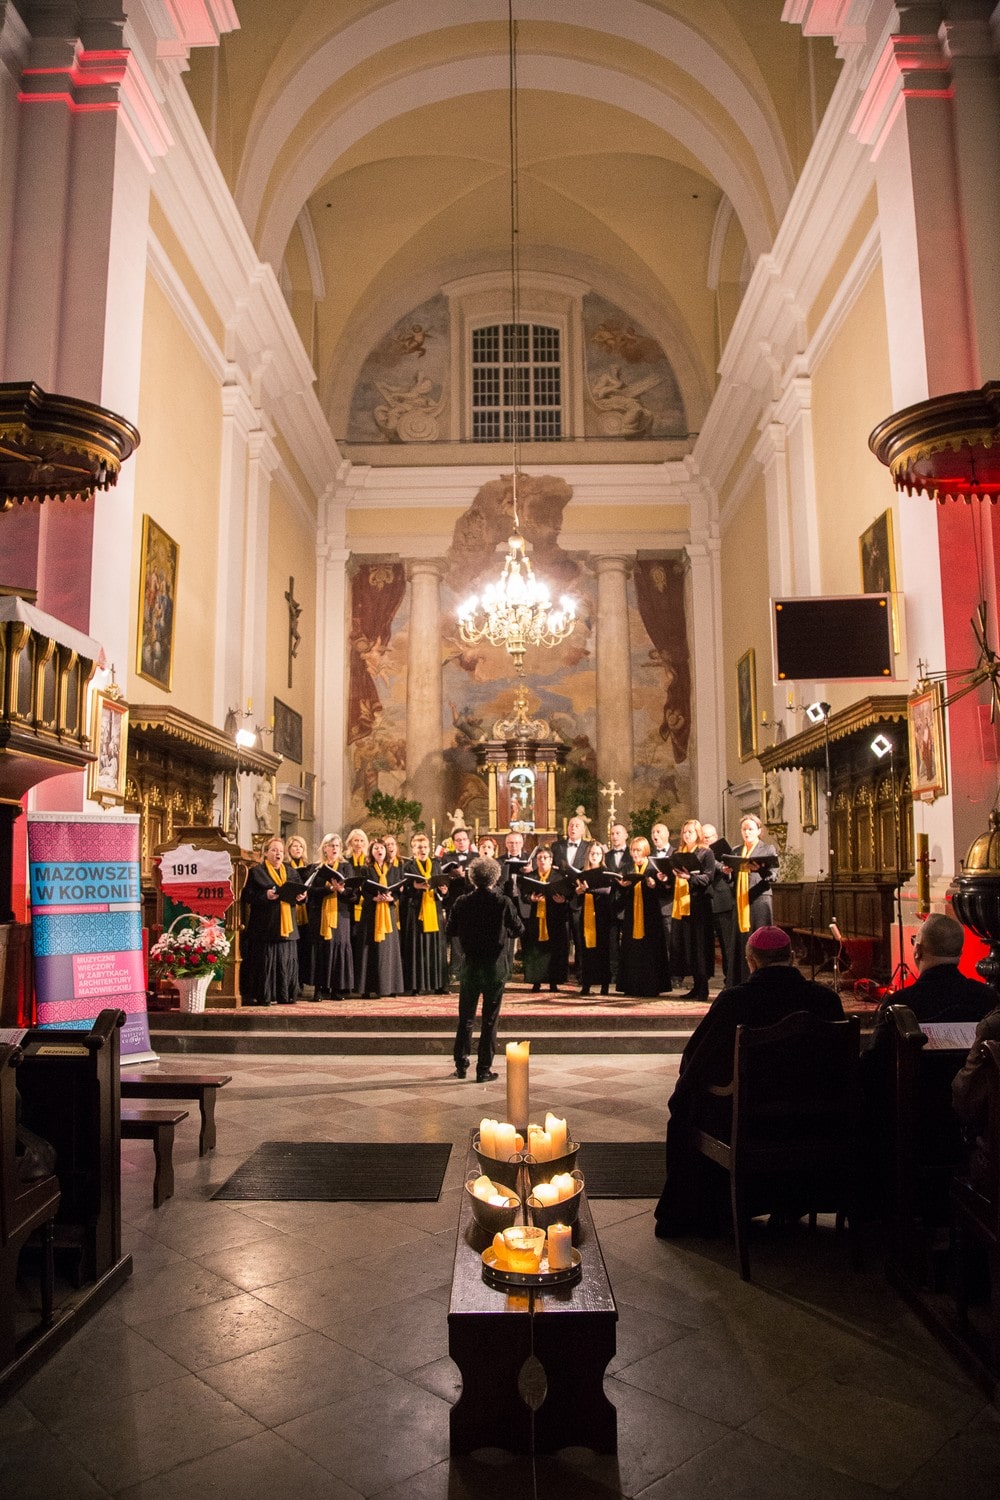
(642,915)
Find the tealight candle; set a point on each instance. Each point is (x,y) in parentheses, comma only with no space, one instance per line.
(560,1242)
(558,1134)
(517,1083)
(524,1247)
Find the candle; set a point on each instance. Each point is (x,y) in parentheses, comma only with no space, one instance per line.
(517,1083)
(477,830)
(524,1247)
(505,1144)
(560,1240)
(558,1134)
(565,1183)
(545,1193)
(488,1137)
(538,1143)
(498,1200)
(482,1188)
(519,1143)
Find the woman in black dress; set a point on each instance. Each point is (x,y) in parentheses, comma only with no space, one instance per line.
(425,951)
(691,916)
(381,971)
(595,906)
(545,943)
(642,968)
(269,971)
(357,858)
(754,907)
(297,855)
(330,923)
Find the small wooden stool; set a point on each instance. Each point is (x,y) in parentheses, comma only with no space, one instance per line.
(156,1125)
(164,1085)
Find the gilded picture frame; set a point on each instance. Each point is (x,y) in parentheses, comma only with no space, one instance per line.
(287,737)
(109,741)
(746,705)
(928,763)
(809,800)
(878,565)
(159,567)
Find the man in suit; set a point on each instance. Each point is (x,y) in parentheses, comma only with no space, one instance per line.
(571,853)
(455,877)
(619,860)
(659,839)
(690,1201)
(723,902)
(481,922)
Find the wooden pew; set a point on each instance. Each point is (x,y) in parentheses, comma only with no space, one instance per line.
(24,1207)
(163,1085)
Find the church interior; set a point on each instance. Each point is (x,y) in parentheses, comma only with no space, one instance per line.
(305,310)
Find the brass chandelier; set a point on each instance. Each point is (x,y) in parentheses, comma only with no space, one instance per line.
(515,612)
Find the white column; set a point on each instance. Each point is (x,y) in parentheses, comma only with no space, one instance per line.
(794,411)
(707,673)
(424,747)
(615,738)
(263,458)
(331,663)
(239,419)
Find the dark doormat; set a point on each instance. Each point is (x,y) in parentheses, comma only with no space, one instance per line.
(622,1169)
(335,1171)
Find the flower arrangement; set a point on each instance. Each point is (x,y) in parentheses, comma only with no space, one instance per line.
(190,953)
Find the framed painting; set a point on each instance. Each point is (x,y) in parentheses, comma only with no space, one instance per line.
(928,768)
(287,732)
(878,565)
(809,800)
(160,559)
(746,702)
(109,738)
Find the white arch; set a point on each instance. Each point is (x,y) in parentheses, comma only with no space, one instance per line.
(473,76)
(402,20)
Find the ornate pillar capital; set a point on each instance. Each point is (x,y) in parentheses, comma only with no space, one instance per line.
(435,567)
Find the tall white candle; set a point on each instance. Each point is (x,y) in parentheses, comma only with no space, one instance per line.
(504,1138)
(558,1134)
(517,1083)
(488,1137)
(560,1243)
(539,1143)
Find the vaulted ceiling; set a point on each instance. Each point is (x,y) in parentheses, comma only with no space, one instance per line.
(366,146)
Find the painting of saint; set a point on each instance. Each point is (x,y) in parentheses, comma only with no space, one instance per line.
(157,598)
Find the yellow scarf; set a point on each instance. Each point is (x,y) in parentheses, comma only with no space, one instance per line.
(589,922)
(329,915)
(279,877)
(542,914)
(638,910)
(359,864)
(428,906)
(682,894)
(301,914)
(743,894)
(383,909)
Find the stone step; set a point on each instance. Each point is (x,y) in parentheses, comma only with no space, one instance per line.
(287,1021)
(422,1043)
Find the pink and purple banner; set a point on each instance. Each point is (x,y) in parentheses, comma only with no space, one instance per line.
(86,922)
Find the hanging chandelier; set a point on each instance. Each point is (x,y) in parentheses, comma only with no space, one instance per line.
(515,612)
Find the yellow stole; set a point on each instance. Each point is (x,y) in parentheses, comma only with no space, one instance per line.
(638,910)
(428,906)
(301,915)
(589,922)
(542,914)
(279,877)
(330,914)
(359,864)
(743,893)
(383,910)
(682,894)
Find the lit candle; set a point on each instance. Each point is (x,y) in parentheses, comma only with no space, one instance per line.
(560,1242)
(565,1184)
(488,1137)
(505,1143)
(498,1200)
(538,1143)
(477,830)
(524,1247)
(482,1188)
(434,837)
(517,1083)
(545,1193)
(519,1143)
(558,1134)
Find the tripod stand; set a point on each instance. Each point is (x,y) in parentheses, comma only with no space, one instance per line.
(902,974)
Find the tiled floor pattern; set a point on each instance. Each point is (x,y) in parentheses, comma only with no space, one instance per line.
(270,1350)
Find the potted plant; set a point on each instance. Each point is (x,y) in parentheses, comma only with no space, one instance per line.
(190,957)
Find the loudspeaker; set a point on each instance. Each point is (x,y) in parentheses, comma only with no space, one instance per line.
(845,637)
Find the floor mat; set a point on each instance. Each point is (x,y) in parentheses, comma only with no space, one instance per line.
(335,1171)
(622,1169)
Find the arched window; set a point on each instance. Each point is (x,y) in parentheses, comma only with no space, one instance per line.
(516,383)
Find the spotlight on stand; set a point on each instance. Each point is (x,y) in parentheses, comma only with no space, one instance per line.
(883,746)
(246,738)
(817,712)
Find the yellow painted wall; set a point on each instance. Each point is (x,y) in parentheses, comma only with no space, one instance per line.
(177,483)
(851,392)
(745,615)
(292,554)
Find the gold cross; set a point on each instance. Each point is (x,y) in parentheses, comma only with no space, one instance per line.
(612,790)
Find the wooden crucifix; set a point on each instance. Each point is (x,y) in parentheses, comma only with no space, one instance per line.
(294,638)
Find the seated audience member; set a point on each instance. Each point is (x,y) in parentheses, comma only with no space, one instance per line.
(695,1192)
(969,1096)
(940,992)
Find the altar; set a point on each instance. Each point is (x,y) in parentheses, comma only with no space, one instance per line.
(521,760)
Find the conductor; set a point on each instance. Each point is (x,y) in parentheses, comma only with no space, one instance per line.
(483,921)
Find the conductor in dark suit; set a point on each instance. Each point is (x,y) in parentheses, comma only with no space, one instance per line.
(483,921)
(690,1201)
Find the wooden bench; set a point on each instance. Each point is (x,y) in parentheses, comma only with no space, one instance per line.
(156,1125)
(200,1086)
(491,1334)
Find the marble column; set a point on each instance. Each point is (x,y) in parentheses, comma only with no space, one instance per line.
(331,662)
(424,760)
(615,740)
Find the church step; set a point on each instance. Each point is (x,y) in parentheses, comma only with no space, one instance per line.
(341,1022)
(424,1043)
